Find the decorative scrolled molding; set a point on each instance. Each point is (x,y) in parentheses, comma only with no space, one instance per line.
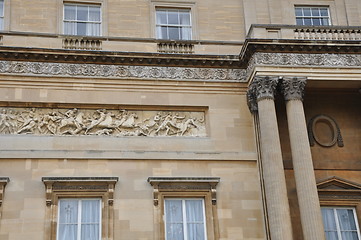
(335,131)
(121,71)
(79,186)
(184,184)
(293,88)
(3,182)
(262,87)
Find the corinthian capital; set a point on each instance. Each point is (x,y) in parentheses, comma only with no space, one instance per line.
(262,87)
(293,88)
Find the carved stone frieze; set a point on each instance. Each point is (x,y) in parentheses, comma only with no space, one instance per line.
(302,59)
(293,88)
(46,121)
(121,71)
(3,182)
(262,87)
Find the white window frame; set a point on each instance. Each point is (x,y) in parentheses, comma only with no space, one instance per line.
(184,216)
(81,21)
(338,229)
(79,220)
(2,15)
(179,26)
(313,17)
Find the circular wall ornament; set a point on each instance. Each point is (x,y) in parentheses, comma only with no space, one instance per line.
(324,131)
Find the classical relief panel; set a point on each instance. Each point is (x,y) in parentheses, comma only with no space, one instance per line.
(46,121)
(121,71)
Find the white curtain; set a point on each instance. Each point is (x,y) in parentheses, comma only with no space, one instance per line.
(329,224)
(68,220)
(174,220)
(195,219)
(90,216)
(347,224)
(70,224)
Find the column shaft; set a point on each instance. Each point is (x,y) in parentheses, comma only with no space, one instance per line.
(308,200)
(273,173)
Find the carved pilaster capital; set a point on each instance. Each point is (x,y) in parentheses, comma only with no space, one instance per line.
(262,87)
(293,88)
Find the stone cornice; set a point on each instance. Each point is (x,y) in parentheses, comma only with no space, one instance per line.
(118,58)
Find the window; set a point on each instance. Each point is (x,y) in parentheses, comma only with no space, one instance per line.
(1,14)
(340,223)
(184,219)
(80,19)
(79,219)
(312,16)
(173,24)
(185,207)
(79,208)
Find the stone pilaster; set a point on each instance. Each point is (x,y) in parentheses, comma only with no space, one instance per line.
(261,98)
(311,218)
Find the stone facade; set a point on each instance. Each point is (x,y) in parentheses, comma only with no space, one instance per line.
(261,122)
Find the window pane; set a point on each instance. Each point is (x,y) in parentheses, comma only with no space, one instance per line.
(325,22)
(186,33)
(316,22)
(324,11)
(173,17)
(307,21)
(94,14)
(81,29)
(1,8)
(299,21)
(315,12)
(161,17)
(174,219)
(184,18)
(349,235)
(70,28)
(298,12)
(162,33)
(69,12)
(331,236)
(346,219)
(93,29)
(307,11)
(82,12)
(68,218)
(173,33)
(195,224)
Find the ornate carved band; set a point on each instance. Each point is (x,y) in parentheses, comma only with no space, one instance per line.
(184,184)
(46,121)
(79,186)
(262,87)
(293,88)
(3,182)
(314,135)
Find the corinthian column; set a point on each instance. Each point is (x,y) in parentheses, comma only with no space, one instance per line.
(261,98)
(311,218)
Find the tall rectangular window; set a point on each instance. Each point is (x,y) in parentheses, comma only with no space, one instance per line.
(340,223)
(185,219)
(1,14)
(81,19)
(173,24)
(312,16)
(79,219)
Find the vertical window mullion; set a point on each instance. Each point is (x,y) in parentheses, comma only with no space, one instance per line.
(79,219)
(337,224)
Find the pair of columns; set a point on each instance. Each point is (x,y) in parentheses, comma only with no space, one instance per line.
(260,95)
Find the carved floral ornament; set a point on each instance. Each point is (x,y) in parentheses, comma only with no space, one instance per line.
(121,71)
(46,121)
(3,182)
(265,87)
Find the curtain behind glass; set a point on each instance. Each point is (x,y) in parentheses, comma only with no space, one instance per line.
(329,223)
(174,219)
(68,218)
(90,216)
(347,224)
(195,219)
